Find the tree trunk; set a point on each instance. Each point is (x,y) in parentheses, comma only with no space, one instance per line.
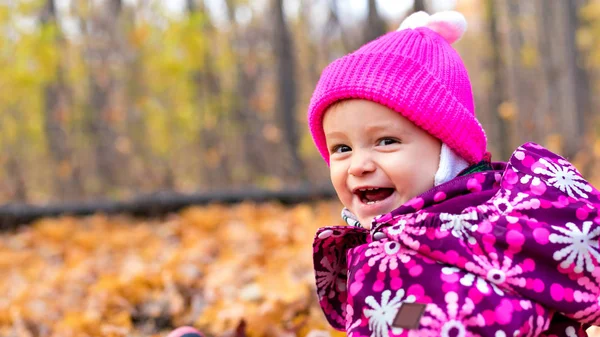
(419,5)
(548,100)
(18,181)
(333,24)
(158,204)
(216,171)
(579,76)
(248,121)
(67,182)
(515,106)
(105,54)
(312,52)
(147,171)
(566,83)
(286,96)
(375,26)
(498,93)
(191,6)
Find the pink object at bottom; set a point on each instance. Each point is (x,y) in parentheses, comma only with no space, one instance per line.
(185,331)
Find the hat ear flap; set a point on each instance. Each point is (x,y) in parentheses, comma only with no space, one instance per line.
(451,25)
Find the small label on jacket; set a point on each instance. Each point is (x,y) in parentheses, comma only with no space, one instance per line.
(409,315)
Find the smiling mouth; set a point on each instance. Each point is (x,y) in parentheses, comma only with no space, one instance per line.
(373,195)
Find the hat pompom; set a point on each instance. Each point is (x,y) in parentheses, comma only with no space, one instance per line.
(451,25)
(415,20)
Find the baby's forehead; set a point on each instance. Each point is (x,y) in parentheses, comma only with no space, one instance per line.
(338,104)
(366,113)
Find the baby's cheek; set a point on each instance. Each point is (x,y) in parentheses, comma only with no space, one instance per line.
(342,193)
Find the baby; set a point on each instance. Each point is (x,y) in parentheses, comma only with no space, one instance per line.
(443,242)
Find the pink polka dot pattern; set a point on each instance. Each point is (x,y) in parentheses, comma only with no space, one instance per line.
(524,262)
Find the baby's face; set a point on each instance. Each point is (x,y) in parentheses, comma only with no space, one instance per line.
(378,159)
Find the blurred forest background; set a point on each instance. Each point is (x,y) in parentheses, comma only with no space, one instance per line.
(115,98)
(110,99)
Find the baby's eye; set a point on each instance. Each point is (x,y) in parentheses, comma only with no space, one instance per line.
(340,148)
(387,141)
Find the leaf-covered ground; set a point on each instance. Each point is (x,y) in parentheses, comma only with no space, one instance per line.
(218,268)
(234,271)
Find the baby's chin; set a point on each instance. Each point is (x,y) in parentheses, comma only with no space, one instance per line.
(366,221)
(366,213)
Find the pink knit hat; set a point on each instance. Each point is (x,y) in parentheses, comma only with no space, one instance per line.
(414,71)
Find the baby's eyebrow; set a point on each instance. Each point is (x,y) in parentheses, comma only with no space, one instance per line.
(377,127)
(338,134)
(385,127)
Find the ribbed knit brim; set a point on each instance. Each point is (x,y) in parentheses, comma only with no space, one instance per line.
(414,72)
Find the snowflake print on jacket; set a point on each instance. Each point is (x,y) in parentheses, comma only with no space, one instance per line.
(381,314)
(582,245)
(513,251)
(564,177)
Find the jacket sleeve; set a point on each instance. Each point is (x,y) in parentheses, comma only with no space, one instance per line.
(537,236)
(331,269)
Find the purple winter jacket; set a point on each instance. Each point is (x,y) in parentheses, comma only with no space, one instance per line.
(508,252)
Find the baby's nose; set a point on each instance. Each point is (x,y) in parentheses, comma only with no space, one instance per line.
(361,164)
